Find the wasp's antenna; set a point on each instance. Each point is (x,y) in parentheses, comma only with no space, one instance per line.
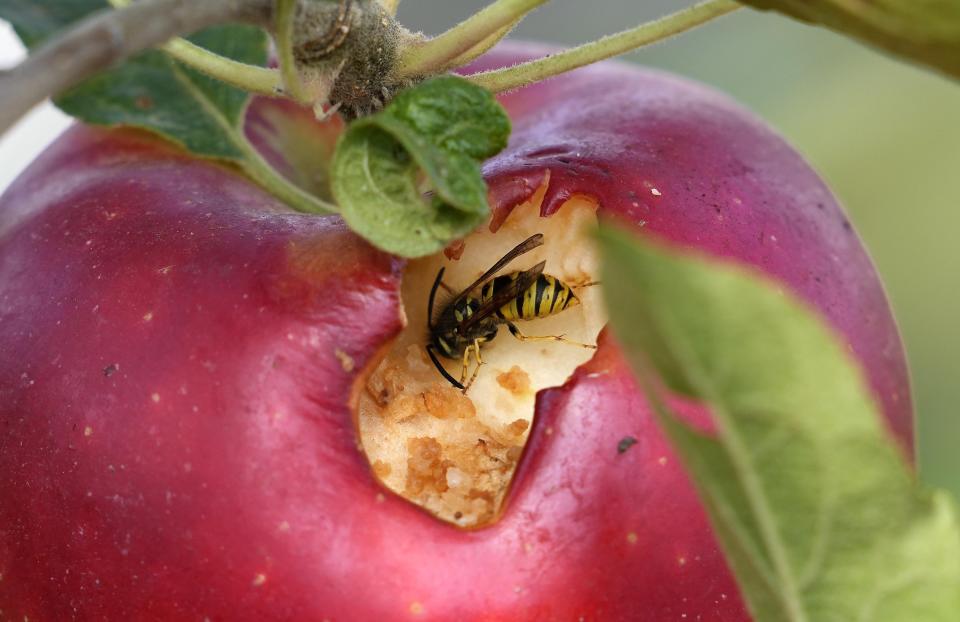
(436,361)
(433,295)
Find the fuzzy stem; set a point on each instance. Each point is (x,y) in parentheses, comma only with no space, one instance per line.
(437,53)
(481,48)
(499,80)
(286,12)
(259,80)
(108,37)
(250,78)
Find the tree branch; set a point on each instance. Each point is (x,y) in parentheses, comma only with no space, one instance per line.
(108,37)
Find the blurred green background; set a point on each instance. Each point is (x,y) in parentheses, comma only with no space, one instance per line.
(884,134)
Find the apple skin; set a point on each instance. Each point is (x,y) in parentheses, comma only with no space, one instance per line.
(179,353)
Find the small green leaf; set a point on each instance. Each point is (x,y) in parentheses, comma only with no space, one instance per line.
(924,31)
(818,514)
(455,115)
(440,130)
(153,91)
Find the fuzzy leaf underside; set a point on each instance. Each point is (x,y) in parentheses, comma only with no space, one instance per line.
(152,91)
(819,516)
(440,130)
(923,31)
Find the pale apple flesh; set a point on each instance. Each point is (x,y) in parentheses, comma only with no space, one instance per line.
(181,358)
(451,452)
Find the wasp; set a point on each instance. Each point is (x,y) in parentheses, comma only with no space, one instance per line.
(474,316)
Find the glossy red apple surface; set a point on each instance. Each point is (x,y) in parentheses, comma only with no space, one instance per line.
(179,356)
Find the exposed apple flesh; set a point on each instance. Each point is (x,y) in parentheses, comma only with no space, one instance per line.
(179,352)
(455,454)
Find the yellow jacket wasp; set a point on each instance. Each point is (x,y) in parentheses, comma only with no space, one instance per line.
(468,321)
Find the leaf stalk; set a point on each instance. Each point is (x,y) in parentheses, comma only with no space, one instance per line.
(509,78)
(439,53)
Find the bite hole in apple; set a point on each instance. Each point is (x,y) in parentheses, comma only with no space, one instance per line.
(454,454)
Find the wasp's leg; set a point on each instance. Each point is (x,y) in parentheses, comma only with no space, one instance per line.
(516,333)
(476,370)
(449,289)
(466,365)
(587,284)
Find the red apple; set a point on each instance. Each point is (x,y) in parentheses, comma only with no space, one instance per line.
(181,355)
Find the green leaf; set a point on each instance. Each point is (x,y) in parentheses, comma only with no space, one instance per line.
(440,130)
(35,21)
(153,91)
(924,31)
(820,517)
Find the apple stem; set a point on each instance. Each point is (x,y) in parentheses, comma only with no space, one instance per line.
(468,39)
(509,78)
(284,16)
(252,78)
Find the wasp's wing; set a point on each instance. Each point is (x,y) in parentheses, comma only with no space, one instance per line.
(526,246)
(502,296)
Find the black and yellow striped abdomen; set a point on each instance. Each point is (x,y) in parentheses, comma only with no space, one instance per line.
(545,297)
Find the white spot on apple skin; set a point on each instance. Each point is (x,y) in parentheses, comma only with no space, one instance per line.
(632,537)
(346,361)
(284,526)
(259,580)
(187,467)
(655,192)
(681,561)
(87,431)
(155,398)
(148,316)
(662,461)
(416,608)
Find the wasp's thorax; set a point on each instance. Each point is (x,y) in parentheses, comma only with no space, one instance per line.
(544,297)
(451,339)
